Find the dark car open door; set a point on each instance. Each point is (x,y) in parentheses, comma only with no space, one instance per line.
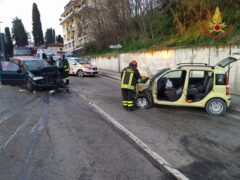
(11,73)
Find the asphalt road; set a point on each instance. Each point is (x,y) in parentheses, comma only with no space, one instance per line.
(61,136)
(58,137)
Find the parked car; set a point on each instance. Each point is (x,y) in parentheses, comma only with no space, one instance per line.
(190,85)
(31,73)
(81,67)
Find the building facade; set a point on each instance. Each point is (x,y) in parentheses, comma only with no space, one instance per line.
(76,29)
(54,47)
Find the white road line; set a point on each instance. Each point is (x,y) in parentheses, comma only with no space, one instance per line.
(18,129)
(74,89)
(233,116)
(34,128)
(146,149)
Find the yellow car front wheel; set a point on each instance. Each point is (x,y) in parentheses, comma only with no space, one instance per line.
(144,102)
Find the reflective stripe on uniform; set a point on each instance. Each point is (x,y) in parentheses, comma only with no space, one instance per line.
(127,79)
(123,78)
(130,103)
(125,103)
(124,86)
(66,68)
(67,78)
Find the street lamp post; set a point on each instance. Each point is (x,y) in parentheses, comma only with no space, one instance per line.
(118,47)
(2,48)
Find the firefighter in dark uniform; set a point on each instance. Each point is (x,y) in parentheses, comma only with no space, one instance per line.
(66,69)
(130,77)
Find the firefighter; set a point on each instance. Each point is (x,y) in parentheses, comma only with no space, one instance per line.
(66,69)
(130,77)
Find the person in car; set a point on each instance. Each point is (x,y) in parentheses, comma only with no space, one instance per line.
(50,60)
(170,92)
(130,77)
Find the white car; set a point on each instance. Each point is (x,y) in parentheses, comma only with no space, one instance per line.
(81,67)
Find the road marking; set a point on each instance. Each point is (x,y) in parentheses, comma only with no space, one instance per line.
(74,89)
(29,117)
(18,129)
(39,126)
(35,138)
(34,128)
(233,116)
(156,158)
(17,109)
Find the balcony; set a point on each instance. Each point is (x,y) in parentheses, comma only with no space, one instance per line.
(81,7)
(64,19)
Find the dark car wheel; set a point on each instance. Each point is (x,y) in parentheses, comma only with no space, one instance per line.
(29,85)
(216,107)
(80,73)
(144,102)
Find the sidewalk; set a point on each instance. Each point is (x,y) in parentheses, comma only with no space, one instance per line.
(110,74)
(235,105)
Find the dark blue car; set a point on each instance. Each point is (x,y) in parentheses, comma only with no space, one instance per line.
(31,73)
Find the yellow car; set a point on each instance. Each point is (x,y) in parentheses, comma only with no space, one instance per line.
(189,85)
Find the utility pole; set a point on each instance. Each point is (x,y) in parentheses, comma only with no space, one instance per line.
(2,48)
(118,47)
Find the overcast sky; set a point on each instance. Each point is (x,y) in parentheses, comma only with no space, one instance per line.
(50,11)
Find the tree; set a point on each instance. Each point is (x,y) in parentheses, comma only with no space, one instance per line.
(50,36)
(37,26)
(18,32)
(8,43)
(59,39)
(53,36)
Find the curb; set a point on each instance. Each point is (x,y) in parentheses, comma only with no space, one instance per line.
(235,107)
(109,76)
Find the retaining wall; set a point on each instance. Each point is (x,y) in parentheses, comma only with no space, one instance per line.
(151,61)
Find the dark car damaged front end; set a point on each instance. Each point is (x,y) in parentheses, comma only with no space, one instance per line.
(47,78)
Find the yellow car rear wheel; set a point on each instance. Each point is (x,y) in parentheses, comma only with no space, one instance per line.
(216,107)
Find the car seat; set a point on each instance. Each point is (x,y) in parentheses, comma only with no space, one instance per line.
(198,88)
(161,87)
(200,96)
(201,88)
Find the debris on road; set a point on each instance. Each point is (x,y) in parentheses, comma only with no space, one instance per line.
(52,92)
